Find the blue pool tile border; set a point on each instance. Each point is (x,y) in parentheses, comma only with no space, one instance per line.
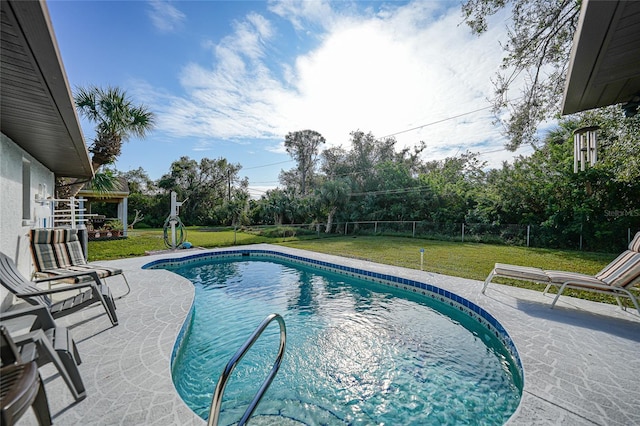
(466,306)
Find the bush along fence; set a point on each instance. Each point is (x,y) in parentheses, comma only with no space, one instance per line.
(521,235)
(582,238)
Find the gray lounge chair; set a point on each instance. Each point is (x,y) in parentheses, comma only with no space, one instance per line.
(57,252)
(39,339)
(616,279)
(20,385)
(88,292)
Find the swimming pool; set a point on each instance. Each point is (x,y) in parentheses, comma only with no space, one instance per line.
(358,352)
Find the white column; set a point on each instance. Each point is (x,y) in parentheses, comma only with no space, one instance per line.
(122,215)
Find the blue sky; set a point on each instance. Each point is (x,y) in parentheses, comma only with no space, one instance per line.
(231,78)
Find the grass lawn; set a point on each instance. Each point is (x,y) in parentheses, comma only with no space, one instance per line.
(139,242)
(466,260)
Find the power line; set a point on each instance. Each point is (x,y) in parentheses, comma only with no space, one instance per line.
(438,121)
(392,191)
(397,133)
(445,119)
(256,190)
(267,165)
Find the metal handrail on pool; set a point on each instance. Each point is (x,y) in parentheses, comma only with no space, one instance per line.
(216,401)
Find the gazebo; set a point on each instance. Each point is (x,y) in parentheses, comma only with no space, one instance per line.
(118,195)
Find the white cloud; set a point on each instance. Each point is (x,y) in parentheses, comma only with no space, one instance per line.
(384,72)
(164,16)
(305,14)
(398,71)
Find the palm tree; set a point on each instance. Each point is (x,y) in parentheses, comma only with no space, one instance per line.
(116,118)
(333,194)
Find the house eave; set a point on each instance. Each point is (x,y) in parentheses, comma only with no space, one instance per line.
(37,109)
(604,67)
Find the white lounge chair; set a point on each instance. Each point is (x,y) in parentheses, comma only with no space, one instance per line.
(87,293)
(58,252)
(616,279)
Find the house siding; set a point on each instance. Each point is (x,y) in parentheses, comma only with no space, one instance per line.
(14,228)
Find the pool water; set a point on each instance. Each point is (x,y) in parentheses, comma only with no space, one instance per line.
(357,352)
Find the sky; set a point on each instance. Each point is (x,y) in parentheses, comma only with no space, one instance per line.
(231,78)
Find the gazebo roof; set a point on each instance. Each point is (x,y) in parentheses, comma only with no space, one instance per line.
(120,192)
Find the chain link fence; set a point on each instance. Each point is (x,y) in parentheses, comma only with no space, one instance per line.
(583,238)
(512,234)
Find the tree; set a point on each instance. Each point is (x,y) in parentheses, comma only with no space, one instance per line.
(303,147)
(144,200)
(618,141)
(332,195)
(366,152)
(597,205)
(207,185)
(116,119)
(537,51)
(381,180)
(334,162)
(398,195)
(453,184)
(234,212)
(276,205)
(139,181)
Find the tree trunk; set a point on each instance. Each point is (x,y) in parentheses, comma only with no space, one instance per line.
(332,212)
(68,187)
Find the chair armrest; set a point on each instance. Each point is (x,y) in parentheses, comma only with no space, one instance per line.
(93,274)
(43,316)
(582,284)
(604,287)
(34,336)
(70,287)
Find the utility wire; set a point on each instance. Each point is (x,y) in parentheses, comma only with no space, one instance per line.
(390,135)
(392,191)
(393,134)
(267,165)
(438,121)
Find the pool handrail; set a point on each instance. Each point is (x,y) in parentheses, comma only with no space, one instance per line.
(216,401)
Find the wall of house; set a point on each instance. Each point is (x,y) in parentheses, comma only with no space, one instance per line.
(21,178)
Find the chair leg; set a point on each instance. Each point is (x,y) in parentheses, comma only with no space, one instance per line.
(635,303)
(74,375)
(110,307)
(61,356)
(488,280)
(104,294)
(41,405)
(128,287)
(560,290)
(48,348)
(76,354)
(630,296)
(67,351)
(624,308)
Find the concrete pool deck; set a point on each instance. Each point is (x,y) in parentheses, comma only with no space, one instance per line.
(581,360)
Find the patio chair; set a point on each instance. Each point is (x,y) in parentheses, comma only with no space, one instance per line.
(20,385)
(58,252)
(88,293)
(40,339)
(616,279)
